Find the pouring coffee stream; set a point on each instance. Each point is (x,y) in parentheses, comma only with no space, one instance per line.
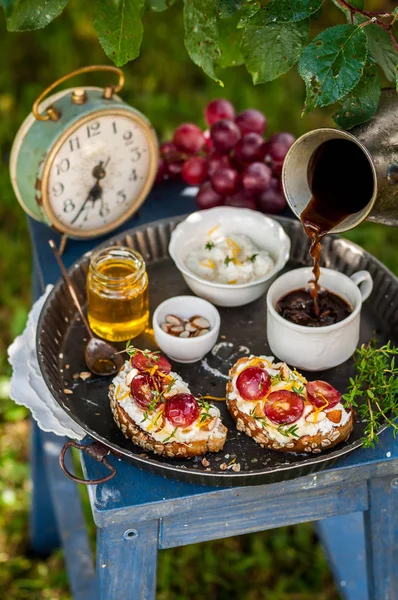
(336,193)
(334,179)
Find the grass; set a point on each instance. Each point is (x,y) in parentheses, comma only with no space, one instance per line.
(284,564)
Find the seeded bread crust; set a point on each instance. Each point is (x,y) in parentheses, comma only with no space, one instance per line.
(172,449)
(311,444)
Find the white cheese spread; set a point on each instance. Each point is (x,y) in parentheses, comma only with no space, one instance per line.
(234,259)
(311,422)
(151,422)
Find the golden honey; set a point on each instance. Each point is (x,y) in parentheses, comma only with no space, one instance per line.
(117,294)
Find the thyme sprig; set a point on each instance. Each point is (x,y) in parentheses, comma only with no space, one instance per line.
(289,431)
(132,351)
(170,436)
(373,392)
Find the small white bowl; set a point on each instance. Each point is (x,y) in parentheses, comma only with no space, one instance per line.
(186,350)
(266,234)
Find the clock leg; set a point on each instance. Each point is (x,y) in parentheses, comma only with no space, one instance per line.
(62,244)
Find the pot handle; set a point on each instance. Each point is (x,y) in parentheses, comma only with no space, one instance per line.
(364,281)
(97,451)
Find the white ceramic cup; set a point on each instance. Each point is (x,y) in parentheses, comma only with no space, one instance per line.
(317,348)
(186,350)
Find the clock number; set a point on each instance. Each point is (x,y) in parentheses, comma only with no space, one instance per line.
(114,127)
(133,175)
(128,138)
(74,144)
(121,197)
(104,210)
(57,189)
(63,166)
(69,206)
(93,129)
(136,154)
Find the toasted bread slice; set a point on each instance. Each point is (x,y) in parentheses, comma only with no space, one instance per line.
(255,424)
(150,429)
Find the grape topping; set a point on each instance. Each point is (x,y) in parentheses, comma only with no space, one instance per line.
(283,407)
(145,361)
(322,395)
(145,391)
(253,383)
(182,410)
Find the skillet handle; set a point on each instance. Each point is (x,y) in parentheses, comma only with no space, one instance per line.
(97,451)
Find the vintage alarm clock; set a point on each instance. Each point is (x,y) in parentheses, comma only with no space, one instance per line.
(83,161)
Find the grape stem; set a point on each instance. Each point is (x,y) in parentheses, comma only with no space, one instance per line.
(374,17)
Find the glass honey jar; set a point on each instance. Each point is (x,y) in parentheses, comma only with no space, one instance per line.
(117,294)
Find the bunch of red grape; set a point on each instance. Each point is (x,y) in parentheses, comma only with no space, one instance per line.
(232,162)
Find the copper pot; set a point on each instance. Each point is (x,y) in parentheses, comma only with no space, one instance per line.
(378,139)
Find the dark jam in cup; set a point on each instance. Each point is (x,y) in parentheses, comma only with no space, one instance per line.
(298,307)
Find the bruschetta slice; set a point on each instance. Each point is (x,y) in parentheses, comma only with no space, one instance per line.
(280,409)
(155,408)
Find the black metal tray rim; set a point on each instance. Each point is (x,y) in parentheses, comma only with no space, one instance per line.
(200,476)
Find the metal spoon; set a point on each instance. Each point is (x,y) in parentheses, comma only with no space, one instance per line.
(100,357)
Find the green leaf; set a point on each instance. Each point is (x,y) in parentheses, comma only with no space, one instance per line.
(229,41)
(201,35)
(227,8)
(272,50)
(159,5)
(25,15)
(360,104)
(382,49)
(249,16)
(396,78)
(332,64)
(379,43)
(119,27)
(290,11)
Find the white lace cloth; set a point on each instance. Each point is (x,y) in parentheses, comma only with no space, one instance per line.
(27,384)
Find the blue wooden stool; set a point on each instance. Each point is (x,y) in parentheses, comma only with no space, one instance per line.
(355,502)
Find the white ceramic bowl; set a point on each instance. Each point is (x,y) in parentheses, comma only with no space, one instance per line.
(266,234)
(186,350)
(317,348)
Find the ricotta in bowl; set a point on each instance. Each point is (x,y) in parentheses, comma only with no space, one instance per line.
(232,259)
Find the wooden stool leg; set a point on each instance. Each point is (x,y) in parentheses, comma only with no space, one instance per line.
(44,536)
(381,537)
(127,561)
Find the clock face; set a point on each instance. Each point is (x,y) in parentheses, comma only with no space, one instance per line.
(100,172)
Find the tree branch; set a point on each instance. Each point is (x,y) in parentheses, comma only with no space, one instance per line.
(394,41)
(374,17)
(365,13)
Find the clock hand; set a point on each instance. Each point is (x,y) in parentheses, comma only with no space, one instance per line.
(96,191)
(89,197)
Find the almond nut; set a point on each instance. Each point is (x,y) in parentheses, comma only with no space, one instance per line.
(334,416)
